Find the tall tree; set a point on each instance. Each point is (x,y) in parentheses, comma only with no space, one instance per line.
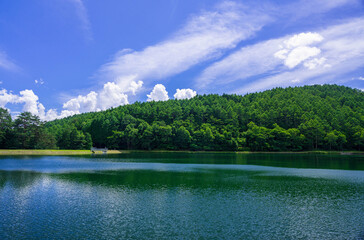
(5,127)
(27,130)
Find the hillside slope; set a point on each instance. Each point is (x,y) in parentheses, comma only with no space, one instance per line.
(294,118)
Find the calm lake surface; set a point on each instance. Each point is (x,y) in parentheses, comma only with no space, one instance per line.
(182,196)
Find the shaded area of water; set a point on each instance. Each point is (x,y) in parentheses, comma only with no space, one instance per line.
(164,196)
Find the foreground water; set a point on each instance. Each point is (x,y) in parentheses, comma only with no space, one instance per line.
(184,196)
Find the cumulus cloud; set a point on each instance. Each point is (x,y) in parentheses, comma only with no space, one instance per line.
(159,93)
(296,50)
(303,39)
(112,96)
(184,94)
(81,103)
(30,101)
(300,54)
(135,86)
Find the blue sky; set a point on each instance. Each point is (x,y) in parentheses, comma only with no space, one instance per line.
(63,57)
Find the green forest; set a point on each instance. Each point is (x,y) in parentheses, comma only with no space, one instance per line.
(319,117)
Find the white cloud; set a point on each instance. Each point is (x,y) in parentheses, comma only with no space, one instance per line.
(281,54)
(135,86)
(7,97)
(66,113)
(300,54)
(296,50)
(6,63)
(30,101)
(303,39)
(50,115)
(159,93)
(184,94)
(112,96)
(361,78)
(81,103)
(202,38)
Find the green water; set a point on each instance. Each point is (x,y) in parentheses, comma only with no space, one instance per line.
(182,196)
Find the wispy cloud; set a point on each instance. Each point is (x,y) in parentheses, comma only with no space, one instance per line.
(303,8)
(82,14)
(203,37)
(337,50)
(6,63)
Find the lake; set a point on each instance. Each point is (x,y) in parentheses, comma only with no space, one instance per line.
(182,196)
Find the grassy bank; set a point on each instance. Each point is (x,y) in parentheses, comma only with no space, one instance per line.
(49,152)
(88,152)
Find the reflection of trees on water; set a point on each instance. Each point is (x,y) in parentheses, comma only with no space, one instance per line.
(147,179)
(18,179)
(221,180)
(295,160)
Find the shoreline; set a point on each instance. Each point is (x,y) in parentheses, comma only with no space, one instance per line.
(50,152)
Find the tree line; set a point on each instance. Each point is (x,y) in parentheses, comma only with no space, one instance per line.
(316,117)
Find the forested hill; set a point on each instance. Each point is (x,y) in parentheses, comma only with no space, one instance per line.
(289,119)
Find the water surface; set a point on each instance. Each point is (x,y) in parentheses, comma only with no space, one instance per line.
(182,196)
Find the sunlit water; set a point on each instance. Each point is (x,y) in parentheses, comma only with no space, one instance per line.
(182,196)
